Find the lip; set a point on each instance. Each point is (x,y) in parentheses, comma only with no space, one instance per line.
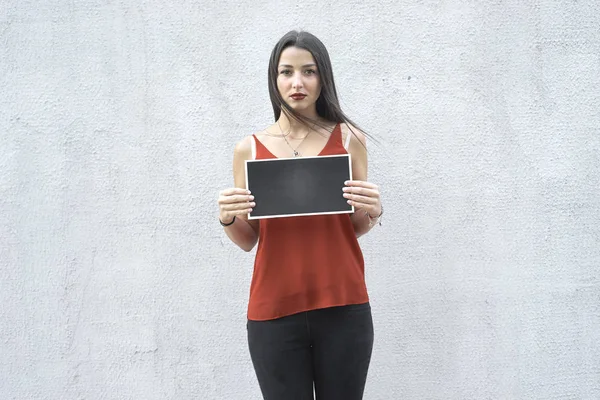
(298,96)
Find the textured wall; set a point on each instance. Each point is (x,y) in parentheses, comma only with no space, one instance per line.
(117,126)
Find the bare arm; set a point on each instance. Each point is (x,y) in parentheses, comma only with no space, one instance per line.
(363,195)
(237,202)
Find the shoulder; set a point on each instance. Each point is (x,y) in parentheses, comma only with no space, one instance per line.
(243,148)
(244,145)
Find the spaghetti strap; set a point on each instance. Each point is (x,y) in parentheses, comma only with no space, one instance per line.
(253,145)
(347,142)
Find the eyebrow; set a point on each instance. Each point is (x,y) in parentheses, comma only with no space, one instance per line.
(304,66)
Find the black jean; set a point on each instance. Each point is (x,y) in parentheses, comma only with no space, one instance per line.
(329,348)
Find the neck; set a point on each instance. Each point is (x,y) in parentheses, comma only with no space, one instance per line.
(294,127)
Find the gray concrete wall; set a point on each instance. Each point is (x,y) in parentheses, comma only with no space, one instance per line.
(117,126)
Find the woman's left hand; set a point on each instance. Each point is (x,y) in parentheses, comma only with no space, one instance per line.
(363,195)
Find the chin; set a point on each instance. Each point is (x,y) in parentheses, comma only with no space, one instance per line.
(301,107)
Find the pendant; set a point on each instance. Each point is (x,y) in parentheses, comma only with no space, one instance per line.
(296,154)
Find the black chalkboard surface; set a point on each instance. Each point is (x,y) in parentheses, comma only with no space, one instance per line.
(286,187)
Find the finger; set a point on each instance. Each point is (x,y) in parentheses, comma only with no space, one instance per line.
(235,199)
(368,208)
(356,204)
(234,191)
(365,184)
(362,191)
(242,212)
(238,206)
(361,199)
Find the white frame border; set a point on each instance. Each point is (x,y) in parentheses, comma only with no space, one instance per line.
(296,158)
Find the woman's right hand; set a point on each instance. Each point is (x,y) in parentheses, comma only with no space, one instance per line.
(233,202)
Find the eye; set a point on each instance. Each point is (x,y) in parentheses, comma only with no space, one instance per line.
(310,72)
(285,72)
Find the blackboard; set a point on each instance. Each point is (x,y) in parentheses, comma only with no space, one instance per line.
(286,187)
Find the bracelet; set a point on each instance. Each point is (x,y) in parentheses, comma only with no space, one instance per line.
(227,224)
(377,218)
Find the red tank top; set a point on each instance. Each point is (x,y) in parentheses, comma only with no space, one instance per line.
(307,262)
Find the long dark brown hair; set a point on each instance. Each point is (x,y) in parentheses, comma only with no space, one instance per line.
(328,105)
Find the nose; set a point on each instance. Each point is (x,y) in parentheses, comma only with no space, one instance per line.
(297,81)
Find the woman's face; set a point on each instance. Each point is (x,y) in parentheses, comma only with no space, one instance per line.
(298,79)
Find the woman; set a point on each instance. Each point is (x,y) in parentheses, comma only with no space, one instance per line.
(309,318)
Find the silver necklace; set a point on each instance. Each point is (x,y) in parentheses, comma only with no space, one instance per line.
(295,150)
